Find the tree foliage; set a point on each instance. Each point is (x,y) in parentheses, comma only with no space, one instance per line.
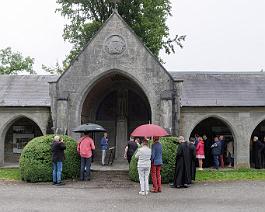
(14,63)
(146,17)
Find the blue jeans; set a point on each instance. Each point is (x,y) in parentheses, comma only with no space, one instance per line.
(216,161)
(57,168)
(85,168)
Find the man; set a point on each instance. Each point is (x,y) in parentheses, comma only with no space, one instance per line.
(207,148)
(263,154)
(221,139)
(156,162)
(58,148)
(104,146)
(182,175)
(84,148)
(192,158)
(216,151)
(259,146)
(130,149)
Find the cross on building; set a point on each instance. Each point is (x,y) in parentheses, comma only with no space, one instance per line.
(115,2)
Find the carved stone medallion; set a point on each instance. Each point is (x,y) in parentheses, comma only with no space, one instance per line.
(115,45)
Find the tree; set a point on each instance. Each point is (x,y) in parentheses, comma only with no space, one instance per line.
(146,17)
(14,62)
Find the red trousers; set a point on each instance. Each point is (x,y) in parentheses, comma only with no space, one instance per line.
(156,177)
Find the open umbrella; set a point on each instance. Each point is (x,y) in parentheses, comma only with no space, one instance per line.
(149,130)
(89,127)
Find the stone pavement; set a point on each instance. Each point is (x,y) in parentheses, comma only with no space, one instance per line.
(115,192)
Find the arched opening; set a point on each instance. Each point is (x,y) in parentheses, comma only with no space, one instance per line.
(118,104)
(257,154)
(214,127)
(21,131)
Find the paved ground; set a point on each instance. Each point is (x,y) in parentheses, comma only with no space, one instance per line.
(116,193)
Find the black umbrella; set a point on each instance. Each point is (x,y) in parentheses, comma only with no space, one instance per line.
(89,127)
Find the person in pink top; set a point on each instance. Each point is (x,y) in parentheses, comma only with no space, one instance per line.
(84,149)
(200,152)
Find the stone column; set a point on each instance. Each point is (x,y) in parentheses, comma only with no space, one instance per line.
(62,117)
(177,105)
(121,124)
(166,114)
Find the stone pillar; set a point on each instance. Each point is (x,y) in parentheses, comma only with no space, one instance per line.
(121,137)
(166,114)
(177,105)
(2,147)
(122,124)
(62,117)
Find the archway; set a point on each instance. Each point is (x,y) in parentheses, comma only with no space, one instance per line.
(19,133)
(119,104)
(212,127)
(259,131)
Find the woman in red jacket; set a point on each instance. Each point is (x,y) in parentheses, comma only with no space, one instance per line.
(200,152)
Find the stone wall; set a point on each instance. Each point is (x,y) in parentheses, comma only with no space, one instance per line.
(8,115)
(242,121)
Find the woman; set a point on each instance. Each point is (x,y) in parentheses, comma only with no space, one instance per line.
(200,152)
(144,163)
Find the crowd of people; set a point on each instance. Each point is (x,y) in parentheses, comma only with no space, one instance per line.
(198,151)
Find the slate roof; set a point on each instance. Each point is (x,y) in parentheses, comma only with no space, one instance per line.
(222,89)
(25,90)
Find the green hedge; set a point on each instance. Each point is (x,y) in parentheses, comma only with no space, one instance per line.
(35,162)
(169,147)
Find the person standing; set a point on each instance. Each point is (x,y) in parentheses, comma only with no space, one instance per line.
(130,149)
(182,175)
(230,153)
(156,162)
(104,146)
(207,151)
(84,148)
(192,159)
(58,156)
(200,152)
(143,155)
(259,146)
(216,151)
(221,157)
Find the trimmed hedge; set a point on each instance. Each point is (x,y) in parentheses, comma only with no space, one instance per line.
(169,147)
(36,160)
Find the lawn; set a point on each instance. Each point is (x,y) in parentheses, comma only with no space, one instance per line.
(230,174)
(9,174)
(207,175)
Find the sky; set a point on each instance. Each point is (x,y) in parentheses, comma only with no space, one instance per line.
(222,35)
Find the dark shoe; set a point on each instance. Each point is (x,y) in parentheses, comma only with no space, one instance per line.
(185,186)
(159,190)
(60,184)
(53,183)
(178,186)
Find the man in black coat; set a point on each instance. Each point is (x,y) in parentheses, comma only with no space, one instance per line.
(183,165)
(192,158)
(58,148)
(259,146)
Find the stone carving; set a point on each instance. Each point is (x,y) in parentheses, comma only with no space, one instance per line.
(115,45)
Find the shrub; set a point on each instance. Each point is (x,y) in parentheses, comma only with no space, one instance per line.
(169,147)
(36,163)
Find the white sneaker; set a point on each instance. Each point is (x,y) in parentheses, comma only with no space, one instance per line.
(200,169)
(142,193)
(146,193)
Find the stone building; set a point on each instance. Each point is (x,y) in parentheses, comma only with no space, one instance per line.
(117,82)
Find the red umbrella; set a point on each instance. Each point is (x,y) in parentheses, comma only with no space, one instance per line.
(149,130)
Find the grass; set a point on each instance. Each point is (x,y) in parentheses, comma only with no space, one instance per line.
(9,174)
(229,175)
(206,175)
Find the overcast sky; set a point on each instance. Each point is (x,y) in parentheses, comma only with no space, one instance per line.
(222,35)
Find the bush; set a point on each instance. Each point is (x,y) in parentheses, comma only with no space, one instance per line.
(169,147)
(36,160)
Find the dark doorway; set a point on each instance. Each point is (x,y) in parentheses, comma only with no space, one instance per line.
(212,127)
(119,105)
(17,136)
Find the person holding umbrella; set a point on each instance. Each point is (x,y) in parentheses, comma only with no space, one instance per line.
(84,148)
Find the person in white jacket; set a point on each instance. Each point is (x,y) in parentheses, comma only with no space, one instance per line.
(144,164)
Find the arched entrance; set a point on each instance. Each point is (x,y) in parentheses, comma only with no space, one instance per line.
(254,151)
(212,127)
(119,104)
(19,133)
